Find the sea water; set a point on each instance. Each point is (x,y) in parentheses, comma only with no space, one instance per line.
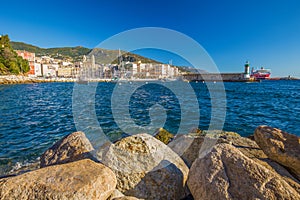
(34,116)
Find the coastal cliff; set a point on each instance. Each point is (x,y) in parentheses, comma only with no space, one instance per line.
(143,167)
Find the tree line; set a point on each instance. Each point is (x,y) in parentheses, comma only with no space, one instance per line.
(10,62)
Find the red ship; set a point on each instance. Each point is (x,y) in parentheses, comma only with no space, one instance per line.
(261,73)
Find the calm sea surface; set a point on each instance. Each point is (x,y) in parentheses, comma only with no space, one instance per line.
(34,116)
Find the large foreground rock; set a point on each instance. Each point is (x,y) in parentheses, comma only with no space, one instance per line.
(84,179)
(188,146)
(71,148)
(226,173)
(146,168)
(126,198)
(280,146)
(115,194)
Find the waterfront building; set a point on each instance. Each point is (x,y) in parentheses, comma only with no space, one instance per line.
(90,70)
(30,57)
(66,72)
(153,70)
(48,70)
(134,69)
(38,69)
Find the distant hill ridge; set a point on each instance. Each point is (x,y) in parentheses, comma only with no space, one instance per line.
(103,56)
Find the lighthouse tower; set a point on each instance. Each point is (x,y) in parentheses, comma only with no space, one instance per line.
(247,70)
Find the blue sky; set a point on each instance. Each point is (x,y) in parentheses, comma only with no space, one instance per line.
(267,33)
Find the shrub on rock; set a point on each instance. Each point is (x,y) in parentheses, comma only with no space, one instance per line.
(163,135)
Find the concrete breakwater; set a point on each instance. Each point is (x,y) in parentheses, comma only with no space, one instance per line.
(264,166)
(222,77)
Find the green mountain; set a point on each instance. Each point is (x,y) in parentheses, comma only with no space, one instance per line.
(102,56)
(74,53)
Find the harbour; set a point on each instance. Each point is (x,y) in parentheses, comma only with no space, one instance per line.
(246,76)
(164,100)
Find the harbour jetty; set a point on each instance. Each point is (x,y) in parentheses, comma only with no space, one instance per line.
(245,76)
(264,166)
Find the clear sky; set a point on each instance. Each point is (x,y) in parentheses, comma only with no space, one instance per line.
(265,32)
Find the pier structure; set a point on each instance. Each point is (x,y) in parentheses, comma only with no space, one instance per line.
(227,77)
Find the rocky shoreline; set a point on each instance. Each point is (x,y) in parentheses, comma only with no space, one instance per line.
(163,166)
(19,79)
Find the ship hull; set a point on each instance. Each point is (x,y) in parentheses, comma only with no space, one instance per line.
(261,76)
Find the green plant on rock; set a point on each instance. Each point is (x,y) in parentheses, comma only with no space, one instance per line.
(163,135)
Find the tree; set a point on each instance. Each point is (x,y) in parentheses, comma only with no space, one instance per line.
(10,62)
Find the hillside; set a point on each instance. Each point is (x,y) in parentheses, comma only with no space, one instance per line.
(75,53)
(102,56)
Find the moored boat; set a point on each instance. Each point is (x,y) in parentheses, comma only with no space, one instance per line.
(261,73)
